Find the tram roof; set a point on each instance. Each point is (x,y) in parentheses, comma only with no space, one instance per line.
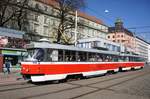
(67,47)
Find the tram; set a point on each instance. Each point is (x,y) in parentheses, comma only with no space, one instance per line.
(50,62)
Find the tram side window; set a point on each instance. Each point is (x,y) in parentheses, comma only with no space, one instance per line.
(99,58)
(115,59)
(92,57)
(60,55)
(54,55)
(81,56)
(69,55)
(139,59)
(49,58)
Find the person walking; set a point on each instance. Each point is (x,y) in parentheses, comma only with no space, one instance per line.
(7,65)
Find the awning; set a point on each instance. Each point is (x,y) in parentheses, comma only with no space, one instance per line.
(11,33)
(11,52)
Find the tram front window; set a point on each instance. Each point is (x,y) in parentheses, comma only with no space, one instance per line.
(37,54)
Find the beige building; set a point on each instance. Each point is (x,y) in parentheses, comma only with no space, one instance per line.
(43,23)
(121,35)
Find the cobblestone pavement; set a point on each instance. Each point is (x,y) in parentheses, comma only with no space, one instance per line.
(13,77)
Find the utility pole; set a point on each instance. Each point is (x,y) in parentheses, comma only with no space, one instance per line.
(75,30)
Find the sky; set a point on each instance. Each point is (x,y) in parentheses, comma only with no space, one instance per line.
(134,13)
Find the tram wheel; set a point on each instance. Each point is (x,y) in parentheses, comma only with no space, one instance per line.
(133,68)
(141,67)
(63,81)
(120,69)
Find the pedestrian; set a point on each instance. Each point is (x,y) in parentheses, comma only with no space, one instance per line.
(7,65)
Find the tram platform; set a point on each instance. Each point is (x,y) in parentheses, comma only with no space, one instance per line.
(11,78)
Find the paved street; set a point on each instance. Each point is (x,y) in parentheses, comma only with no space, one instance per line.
(124,85)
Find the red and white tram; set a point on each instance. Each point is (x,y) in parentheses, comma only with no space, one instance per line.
(48,62)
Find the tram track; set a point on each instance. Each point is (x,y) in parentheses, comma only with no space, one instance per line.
(11,84)
(109,79)
(131,77)
(33,85)
(109,86)
(17,88)
(20,86)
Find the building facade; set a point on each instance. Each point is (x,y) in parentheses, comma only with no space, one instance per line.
(11,46)
(149,53)
(121,35)
(142,48)
(43,24)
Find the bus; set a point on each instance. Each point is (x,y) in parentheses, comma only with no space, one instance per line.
(56,62)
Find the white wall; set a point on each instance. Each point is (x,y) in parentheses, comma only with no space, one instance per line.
(149,53)
(142,48)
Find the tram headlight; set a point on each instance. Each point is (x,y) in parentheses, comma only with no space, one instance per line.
(23,68)
(27,70)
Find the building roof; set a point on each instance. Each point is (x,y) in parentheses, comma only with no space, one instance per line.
(81,14)
(124,30)
(91,18)
(142,40)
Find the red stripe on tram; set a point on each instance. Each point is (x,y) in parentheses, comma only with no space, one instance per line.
(73,68)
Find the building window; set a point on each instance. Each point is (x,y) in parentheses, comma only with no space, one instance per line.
(36,18)
(45,31)
(53,23)
(45,8)
(108,36)
(123,41)
(113,36)
(35,28)
(46,20)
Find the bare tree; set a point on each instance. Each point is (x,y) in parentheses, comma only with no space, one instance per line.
(66,8)
(21,16)
(12,10)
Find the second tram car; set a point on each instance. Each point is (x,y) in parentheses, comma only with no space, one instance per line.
(49,62)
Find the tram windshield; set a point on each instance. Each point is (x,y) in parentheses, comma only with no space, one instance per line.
(37,54)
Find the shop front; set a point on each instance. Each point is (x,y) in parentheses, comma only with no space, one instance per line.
(12,47)
(14,56)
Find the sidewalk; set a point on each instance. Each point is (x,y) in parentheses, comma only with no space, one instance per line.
(11,78)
